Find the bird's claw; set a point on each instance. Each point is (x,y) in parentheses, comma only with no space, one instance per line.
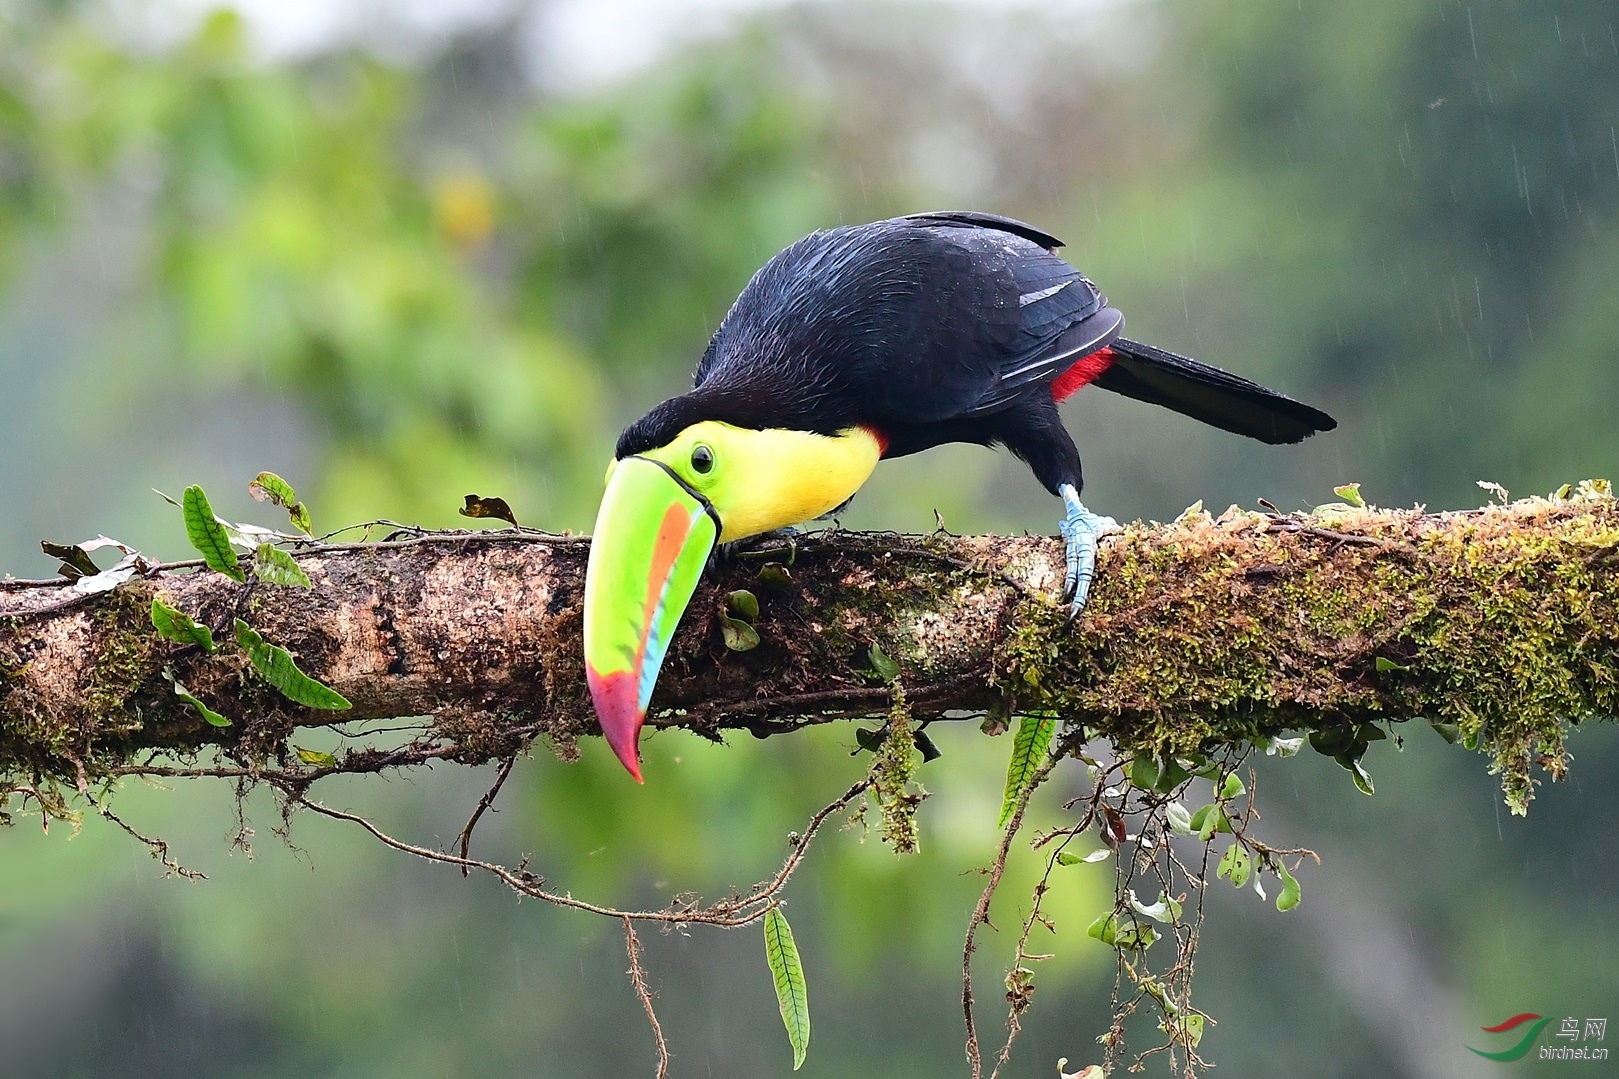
(727,554)
(1080,531)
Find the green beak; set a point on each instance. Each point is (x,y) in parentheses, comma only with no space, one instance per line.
(653,537)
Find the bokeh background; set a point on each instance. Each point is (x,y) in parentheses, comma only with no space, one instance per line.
(398,252)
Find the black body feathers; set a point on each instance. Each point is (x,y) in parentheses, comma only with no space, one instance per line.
(940,327)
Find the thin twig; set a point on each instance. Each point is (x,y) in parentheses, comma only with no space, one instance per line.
(483,804)
(980,915)
(638,979)
(1021,954)
(158,847)
(738,910)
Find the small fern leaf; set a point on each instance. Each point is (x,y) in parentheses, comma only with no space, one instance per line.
(276,665)
(1029,748)
(208,536)
(788,973)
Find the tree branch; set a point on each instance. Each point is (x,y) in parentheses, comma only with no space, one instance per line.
(1501,622)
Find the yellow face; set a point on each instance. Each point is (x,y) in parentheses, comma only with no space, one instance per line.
(763,480)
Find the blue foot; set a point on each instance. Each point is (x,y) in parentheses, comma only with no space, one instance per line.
(1080,530)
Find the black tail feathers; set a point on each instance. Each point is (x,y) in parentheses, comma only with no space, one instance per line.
(1205,393)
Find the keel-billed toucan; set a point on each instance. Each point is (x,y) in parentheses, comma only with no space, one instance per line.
(852,345)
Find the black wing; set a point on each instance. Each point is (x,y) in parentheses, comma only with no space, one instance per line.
(911,320)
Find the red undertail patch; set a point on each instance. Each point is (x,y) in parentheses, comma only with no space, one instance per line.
(882,439)
(1087,369)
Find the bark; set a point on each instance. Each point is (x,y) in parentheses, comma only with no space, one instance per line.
(1498,624)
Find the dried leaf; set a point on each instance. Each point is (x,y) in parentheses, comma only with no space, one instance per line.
(478,506)
(76,562)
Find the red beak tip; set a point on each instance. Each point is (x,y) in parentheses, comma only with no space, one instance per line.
(632,764)
(614,695)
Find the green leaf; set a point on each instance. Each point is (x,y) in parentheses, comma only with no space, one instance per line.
(316,757)
(1290,889)
(1135,934)
(1186,1028)
(1208,820)
(1166,910)
(276,665)
(1386,665)
(773,577)
(792,994)
(1179,819)
(1232,787)
(269,486)
(1064,858)
(743,604)
(272,565)
(1126,931)
(208,536)
(1331,741)
(203,710)
(886,668)
(1363,778)
(176,625)
(478,506)
(1350,493)
(1029,749)
(1171,777)
(1236,863)
(738,635)
(929,749)
(1144,771)
(1450,732)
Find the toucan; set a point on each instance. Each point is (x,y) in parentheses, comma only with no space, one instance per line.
(853,345)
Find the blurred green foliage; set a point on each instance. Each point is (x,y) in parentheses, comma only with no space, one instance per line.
(399,281)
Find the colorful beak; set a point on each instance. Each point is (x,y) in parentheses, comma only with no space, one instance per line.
(653,537)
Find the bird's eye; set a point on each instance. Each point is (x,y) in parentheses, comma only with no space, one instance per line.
(702,459)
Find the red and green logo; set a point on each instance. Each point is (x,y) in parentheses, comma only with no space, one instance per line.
(1517,1052)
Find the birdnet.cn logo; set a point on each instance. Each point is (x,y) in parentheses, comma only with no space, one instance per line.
(1574,1040)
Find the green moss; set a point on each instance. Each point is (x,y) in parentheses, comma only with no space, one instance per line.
(1502,622)
(122,664)
(893,767)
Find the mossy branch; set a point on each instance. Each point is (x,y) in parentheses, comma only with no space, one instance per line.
(1501,624)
